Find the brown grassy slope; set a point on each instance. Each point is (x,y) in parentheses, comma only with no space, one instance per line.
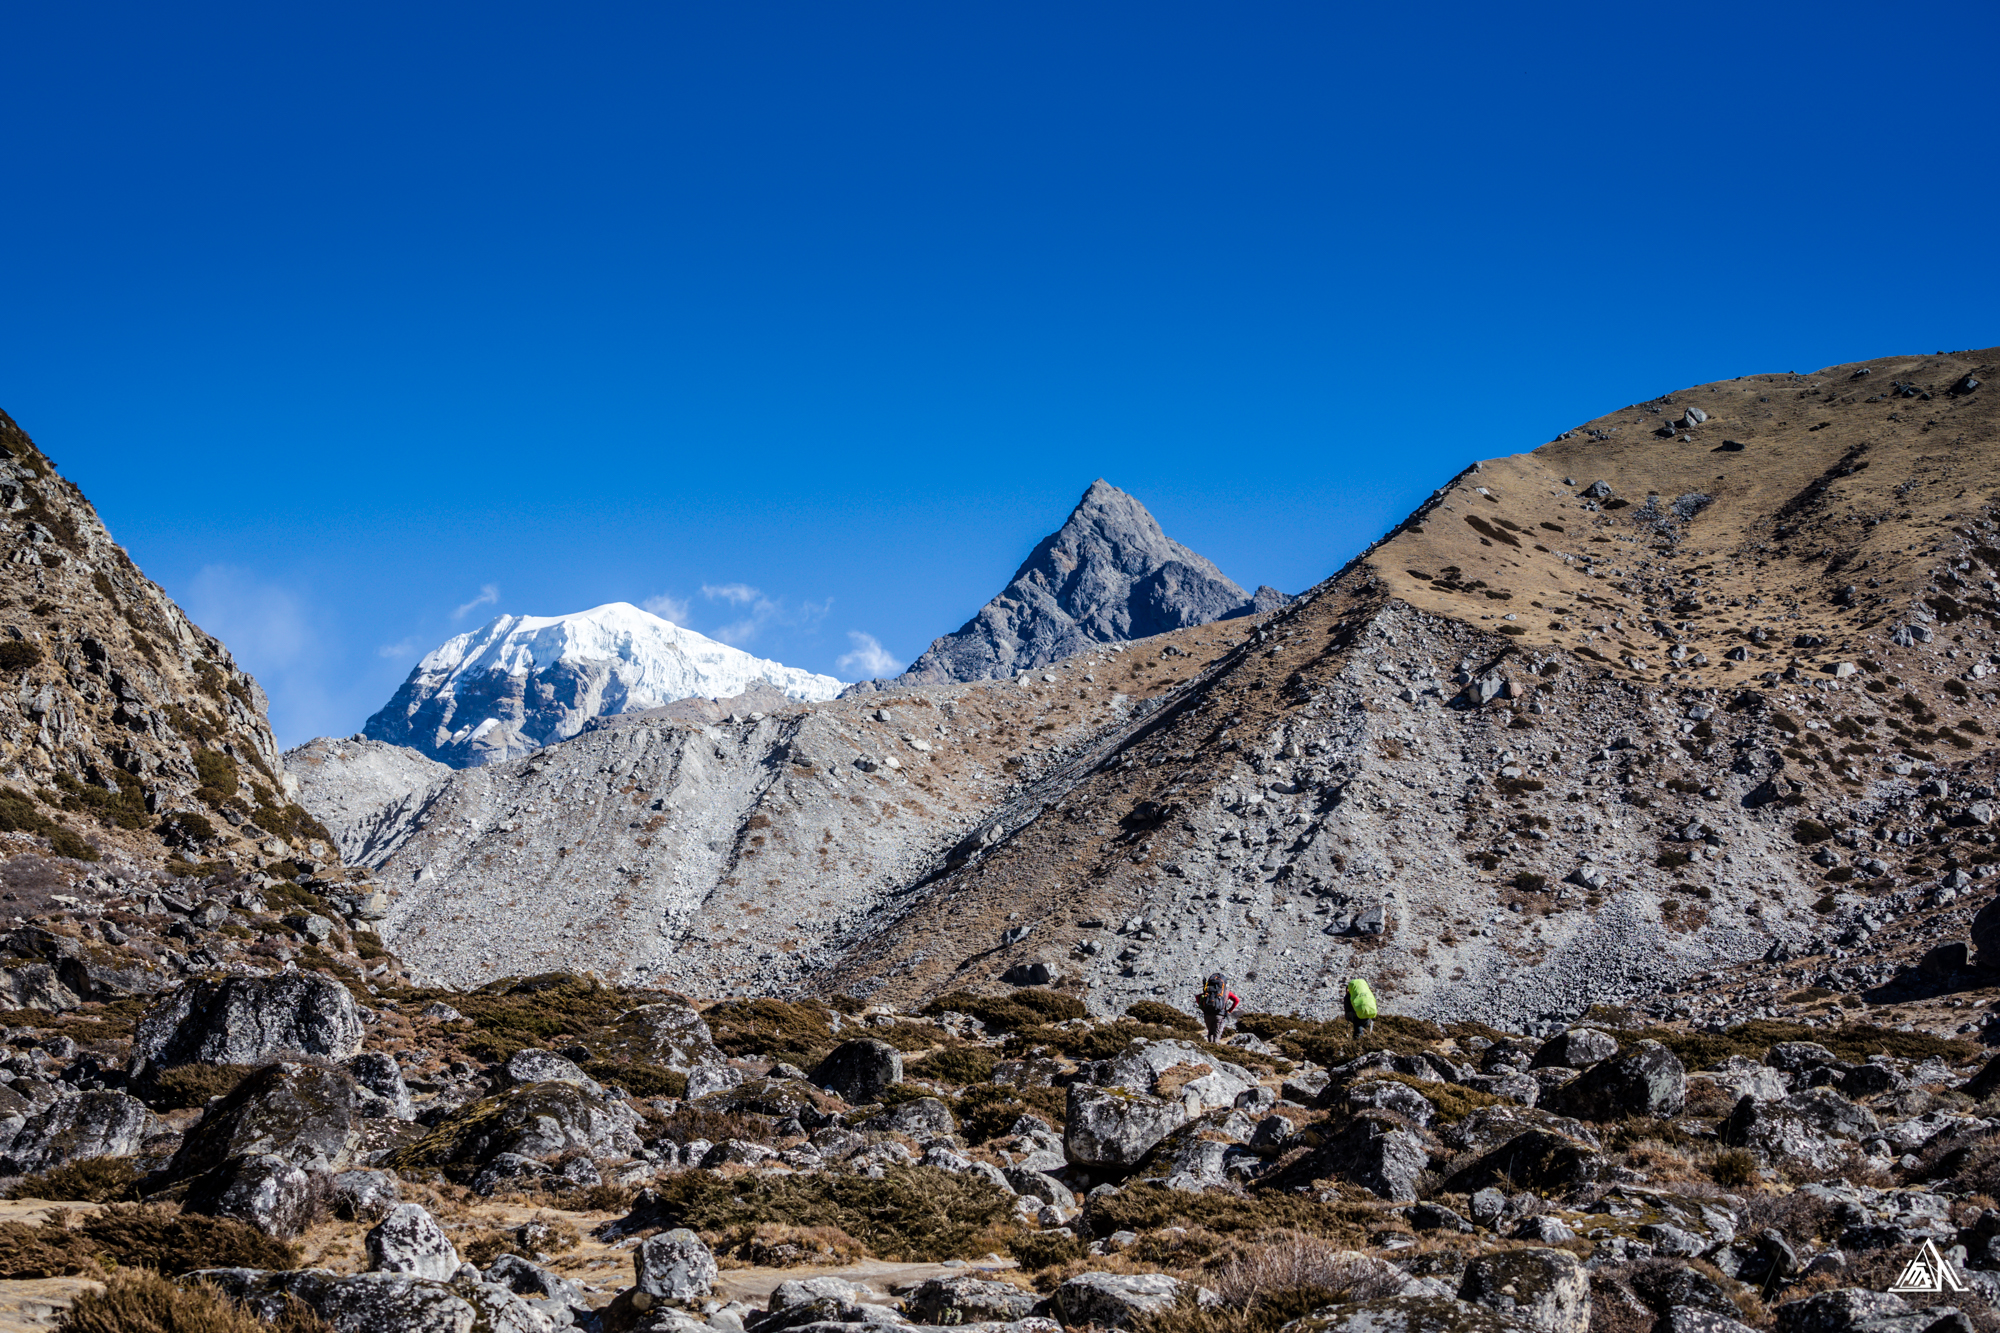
(1786,527)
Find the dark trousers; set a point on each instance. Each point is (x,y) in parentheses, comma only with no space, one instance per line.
(1361,1025)
(1213,1017)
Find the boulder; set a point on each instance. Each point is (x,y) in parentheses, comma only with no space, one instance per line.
(1408,1314)
(1694,1319)
(1741,1077)
(531,1065)
(76,1128)
(1114,1127)
(1985,933)
(674,1266)
(533,1121)
(1371,1150)
(507,1167)
(672,1035)
(1437,1217)
(409,1240)
(1119,1300)
(1547,1290)
(964,1300)
(1538,1160)
(1384,1095)
(364,1196)
(1647,1081)
(922,1119)
(1578,1048)
(1174,1070)
(361,1303)
(379,1074)
(1806,1126)
(277,1196)
(309,1115)
(36,986)
(246,1021)
(1839,1310)
(535,1283)
(1796,1057)
(860,1071)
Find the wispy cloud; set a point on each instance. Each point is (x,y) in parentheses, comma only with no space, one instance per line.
(869,656)
(403,649)
(489,593)
(261,622)
(736,594)
(668,607)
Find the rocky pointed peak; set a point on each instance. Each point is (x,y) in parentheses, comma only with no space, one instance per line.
(1109,574)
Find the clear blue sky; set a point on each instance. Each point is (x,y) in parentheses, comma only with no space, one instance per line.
(343,314)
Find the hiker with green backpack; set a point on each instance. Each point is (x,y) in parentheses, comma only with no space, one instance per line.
(1360,1006)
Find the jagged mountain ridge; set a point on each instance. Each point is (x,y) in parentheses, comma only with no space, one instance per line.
(1321,779)
(121,721)
(519,683)
(1108,575)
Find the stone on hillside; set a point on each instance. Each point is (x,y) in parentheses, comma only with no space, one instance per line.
(365,1196)
(860,1071)
(674,1266)
(1547,1290)
(1796,1057)
(378,1073)
(359,1303)
(409,1240)
(1647,1081)
(1694,1319)
(1408,1314)
(36,986)
(1116,1127)
(1173,1070)
(1806,1126)
(272,1194)
(530,1065)
(246,1021)
(1577,1048)
(1120,1300)
(77,1128)
(509,1167)
(1437,1217)
(535,1283)
(1304,1086)
(1383,1095)
(964,1300)
(1840,1310)
(922,1119)
(308,1115)
(1748,1078)
(533,1121)
(1372,1151)
(1537,1160)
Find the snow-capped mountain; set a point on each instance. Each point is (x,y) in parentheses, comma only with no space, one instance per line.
(518,683)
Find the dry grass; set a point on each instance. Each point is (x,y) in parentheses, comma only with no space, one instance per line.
(93,1180)
(135,1236)
(779,1245)
(138,1301)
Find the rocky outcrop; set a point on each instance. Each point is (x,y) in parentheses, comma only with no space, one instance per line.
(76,1128)
(1106,576)
(409,1240)
(861,1070)
(246,1020)
(363,790)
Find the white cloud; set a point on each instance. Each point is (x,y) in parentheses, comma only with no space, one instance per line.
(403,649)
(261,622)
(668,608)
(489,593)
(736,594)
(868,657)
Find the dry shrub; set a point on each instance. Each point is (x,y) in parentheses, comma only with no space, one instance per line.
(93,1180)
(1143,1208)
(144,1302)
(191,1086)
(798,1033)
(1037,1250)
(988,1111)
(152,1236)
(1805,1221)
(639,1080)
(1303,1264)
(487,1246)
(778,1245)
(606,1198)
(1331,1042)
(689,1123)
(914,1213)
(1009,1013)
(960,1066)
(1733,1166)
(1164,1016)
(31,1251)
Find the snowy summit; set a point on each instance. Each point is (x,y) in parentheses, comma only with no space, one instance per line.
(518,683)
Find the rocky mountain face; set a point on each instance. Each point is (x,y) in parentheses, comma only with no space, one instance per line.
(519,683)
(1108,575)
(123,726)
(1705,677)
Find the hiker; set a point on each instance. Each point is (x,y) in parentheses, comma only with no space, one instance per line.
(1360,1006)
(1217,1003)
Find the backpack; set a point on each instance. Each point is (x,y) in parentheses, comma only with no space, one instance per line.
(1360,999)
(1215,993)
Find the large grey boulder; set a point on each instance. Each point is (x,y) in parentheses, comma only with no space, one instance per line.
(36,986)
(1119,1300)
(1539,1160)
(1546,1289)
(860,1071)
(1370,1150)
(1796,1057)
(670,1035)
(369,1302)
(276,1196)
(534,1121)
(1578,1048)
(365,1196)
(1808,1126)
(535,1283)
(1386,1095)
(1646,1081)
(965,1300)
(378,1073)
(1409,1314)
(246,1021)
(1840,1310)
(537,1066)
(76,1128)
(674,1266)
(1694,1319)
(409,1240)
(1114,1127)
(1175,1070)
(308,1115)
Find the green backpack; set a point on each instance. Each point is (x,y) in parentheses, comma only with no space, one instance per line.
(1361,999)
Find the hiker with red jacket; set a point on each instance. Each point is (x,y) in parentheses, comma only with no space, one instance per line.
(1217,1003)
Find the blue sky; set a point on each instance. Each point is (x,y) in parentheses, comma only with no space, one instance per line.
(360,323)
